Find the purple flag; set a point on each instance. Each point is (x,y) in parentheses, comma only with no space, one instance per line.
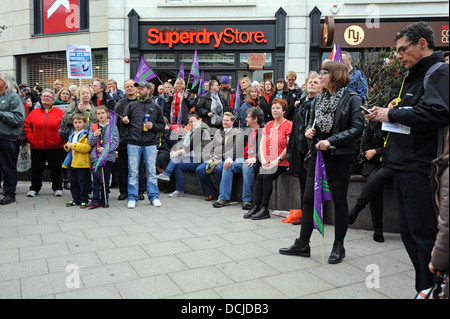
(181,72)
(201,87)
(101,158)
(237,102)
(321,192)
(144,72)
(338,54)
(195,71)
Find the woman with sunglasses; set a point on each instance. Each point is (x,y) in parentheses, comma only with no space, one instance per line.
(335,124)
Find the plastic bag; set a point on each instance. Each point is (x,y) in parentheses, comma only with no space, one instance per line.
(24,159)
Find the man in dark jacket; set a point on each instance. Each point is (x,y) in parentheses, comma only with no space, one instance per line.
(212,106)
(422,108)
(122,159)
(145,122)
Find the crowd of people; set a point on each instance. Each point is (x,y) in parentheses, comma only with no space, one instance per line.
(275,128)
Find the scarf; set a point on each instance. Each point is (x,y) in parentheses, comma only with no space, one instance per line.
(216,109)
(326,106)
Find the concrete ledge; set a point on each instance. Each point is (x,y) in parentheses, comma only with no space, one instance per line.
(286,195)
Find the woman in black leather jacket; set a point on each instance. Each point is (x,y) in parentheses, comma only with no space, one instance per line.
(336,123)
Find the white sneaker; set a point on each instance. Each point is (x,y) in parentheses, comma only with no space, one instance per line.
(58,193)
(131,204)
(177,194)
(163,177)
(31,194)
(156,203)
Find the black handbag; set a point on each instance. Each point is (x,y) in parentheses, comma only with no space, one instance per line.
(65,129)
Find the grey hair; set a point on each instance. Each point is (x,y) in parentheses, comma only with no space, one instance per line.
(51,91)
(10,83)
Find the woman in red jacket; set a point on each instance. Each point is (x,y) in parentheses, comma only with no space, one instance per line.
(41,129)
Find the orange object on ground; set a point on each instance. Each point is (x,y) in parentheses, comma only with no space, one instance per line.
(294,214)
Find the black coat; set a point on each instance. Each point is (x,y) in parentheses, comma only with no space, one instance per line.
(185,108)
(428,110)
(204,107)
(373,138)
(348,124)
(136,114)
(297,147)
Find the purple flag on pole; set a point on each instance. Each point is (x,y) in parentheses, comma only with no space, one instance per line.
(237,102)
(195,71)
(321,192)
(181,72)
(144,72)
(201,87)
(101,158)
(338,54)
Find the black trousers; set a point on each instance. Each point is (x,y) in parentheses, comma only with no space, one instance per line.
(373,193)
(263,185)
(122,162)
(8,166)
(339,190)
(80,184)
(38,159)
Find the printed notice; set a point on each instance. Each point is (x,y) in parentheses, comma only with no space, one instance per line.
(79,62)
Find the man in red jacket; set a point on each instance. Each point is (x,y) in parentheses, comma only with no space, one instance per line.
(41,129)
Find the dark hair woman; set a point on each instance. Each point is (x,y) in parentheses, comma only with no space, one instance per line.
(282,92)
(336,123)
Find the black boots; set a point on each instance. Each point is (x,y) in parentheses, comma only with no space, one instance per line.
(337,253)
(353,214)
(263,213)
(251,212)
(378,235)
(299,248)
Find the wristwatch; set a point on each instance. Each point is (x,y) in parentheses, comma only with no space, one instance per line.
(279,159)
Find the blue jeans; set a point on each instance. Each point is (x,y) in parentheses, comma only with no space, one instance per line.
(178,165)
(418,224)
(134,156)
(205,179)
(248,176)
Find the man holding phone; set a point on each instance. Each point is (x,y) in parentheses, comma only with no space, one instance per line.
(423,106)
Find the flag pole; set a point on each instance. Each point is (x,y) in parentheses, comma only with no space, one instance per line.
(104,187)
(323,259)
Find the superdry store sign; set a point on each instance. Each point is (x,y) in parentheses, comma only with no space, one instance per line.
(226,36)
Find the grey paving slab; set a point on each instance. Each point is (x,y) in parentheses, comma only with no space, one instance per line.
(184,250)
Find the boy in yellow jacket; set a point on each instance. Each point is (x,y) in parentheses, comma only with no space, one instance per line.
(79,162)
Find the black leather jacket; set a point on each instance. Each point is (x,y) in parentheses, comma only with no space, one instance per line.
(348,124)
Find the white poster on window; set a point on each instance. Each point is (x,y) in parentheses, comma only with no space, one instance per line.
(79,62)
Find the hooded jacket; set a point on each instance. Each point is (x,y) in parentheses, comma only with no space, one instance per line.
(428,111)
(80,159)
(136,111)
(12,116)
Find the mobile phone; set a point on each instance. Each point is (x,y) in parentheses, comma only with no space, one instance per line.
(365,110)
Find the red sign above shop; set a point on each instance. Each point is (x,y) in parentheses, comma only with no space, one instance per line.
(60,16)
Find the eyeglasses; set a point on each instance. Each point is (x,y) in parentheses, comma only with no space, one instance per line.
(323,72)
(47,97)
(402,49)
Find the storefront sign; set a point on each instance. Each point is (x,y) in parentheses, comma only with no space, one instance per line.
(359,35)
(79,62)
(60,16)
(214,36)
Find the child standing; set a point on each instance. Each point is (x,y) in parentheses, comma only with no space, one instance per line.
(101,135)
(79,162)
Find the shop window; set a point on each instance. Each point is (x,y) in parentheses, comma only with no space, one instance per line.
(44,69)
(208,60)
(160,59)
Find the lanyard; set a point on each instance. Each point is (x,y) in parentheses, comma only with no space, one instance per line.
(398,100)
